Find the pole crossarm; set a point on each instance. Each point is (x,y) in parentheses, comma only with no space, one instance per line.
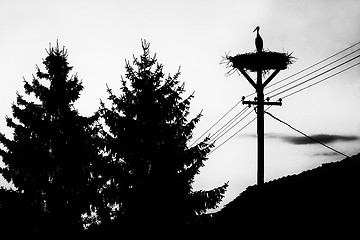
(265,103)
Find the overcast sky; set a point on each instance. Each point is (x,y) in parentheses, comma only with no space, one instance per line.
(195,34)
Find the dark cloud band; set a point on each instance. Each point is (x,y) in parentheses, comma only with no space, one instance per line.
(302,140)
(324,138)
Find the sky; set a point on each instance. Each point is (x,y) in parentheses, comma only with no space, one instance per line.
(195,34)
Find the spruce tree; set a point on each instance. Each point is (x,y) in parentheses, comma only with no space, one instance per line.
(54,151)
(148,141)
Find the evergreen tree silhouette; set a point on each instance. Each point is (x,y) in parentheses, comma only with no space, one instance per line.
(54,153)
(153,168)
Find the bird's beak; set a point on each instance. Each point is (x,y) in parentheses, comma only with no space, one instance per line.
(254,29)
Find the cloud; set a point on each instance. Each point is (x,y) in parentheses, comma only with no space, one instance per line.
(324,138)
(326,154)
(302,140)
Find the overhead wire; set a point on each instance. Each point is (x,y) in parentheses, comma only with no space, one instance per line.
(312,78)
(307,68)
(288,96)
(212,126)
(226,127)
(316,70)
(220,135)
(228,124)
(233,135)
(313,65)
(322,80)
(238,131)
(317,82)
(313,139)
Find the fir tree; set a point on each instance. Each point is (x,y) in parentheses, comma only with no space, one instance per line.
(54,151)
(148,137)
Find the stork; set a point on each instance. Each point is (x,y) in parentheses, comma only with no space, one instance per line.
(258,40)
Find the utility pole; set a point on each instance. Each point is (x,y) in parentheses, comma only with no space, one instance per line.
(259,101)
(259,62)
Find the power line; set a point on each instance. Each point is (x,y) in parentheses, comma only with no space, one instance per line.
(301,71)
(216,123)
(220,136)
(228,124)
(233,135)
(322,80)
(220,132)
(312,78)
(297,73)
(343,70)
(305,134)
(316,70)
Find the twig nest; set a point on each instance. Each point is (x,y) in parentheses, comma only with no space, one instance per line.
(265,61)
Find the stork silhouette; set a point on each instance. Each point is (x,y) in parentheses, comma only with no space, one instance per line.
(258,40)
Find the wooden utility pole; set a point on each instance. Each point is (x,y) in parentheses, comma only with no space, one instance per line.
(259,101)
(259,62)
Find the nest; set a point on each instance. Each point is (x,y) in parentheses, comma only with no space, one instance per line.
(254,62)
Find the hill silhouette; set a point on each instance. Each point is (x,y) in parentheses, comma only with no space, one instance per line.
(327,196)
